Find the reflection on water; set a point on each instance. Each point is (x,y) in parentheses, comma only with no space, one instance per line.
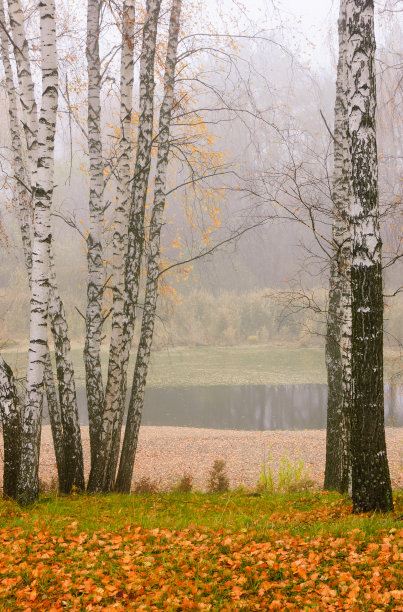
(254,407)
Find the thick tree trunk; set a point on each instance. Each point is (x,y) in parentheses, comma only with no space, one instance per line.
(338,335)
(134,253)
(371,480)
(28,478)
(11,420)
(96,272)
(125,472)
(113,395)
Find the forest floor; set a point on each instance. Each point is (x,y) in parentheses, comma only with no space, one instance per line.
(229,551)
(164,454)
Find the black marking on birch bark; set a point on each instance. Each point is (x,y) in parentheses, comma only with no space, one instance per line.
(11,419)
(338,334)
(135,244)
(371,480)
(30,445)
(27,95)
(72,446)
(96,273)
(114,400)
(125,472)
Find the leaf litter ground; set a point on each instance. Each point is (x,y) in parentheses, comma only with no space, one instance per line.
(197,551)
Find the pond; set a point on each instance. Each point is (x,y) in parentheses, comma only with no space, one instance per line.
(248,407)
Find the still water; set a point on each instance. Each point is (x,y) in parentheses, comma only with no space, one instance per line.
(254,407)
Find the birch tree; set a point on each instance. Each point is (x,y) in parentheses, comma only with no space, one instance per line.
(11,420)
(96,271)
(114,397)
(371,487)
(28,479)
(63,413)
(113,415)
(27,88)
(123,481)
(338,333)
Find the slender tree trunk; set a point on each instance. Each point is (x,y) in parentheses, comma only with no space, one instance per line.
(27,97)
(116,403)
(96,272)
(11,419)
(22,181)
(72,446)
(28,478)
(113,396)
(371,480)
(338,335)
(125,472)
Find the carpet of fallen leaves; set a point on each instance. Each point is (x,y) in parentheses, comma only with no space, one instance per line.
(297,562)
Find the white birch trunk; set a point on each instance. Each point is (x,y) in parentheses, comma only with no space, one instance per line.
(96,272)
(68,449)
(116,399)
(371,487)
(22,179)
(113,395)
(338,343)
(27,97)
(28,479)
(125,472)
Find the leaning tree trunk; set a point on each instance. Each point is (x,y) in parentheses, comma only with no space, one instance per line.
(96,272)
(116,402)
(23,183)
(338,333)
(28,484)
(11,420)
(113,396)
(73,474)
(27,89)
(371,480)
(125,472)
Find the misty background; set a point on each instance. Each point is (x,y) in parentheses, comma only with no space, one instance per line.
(269,285)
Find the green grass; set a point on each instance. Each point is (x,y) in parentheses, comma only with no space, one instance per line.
(306,513)
(239,365)
(198,551)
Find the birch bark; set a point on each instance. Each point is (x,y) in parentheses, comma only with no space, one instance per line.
(96,273)
(28,478)
(55,418)
(27,97)
(338,336)
(116,402)
(113,396)
(11,419)
(73,474)
(22,181)
(370,471)
(125,472)
(68,449)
